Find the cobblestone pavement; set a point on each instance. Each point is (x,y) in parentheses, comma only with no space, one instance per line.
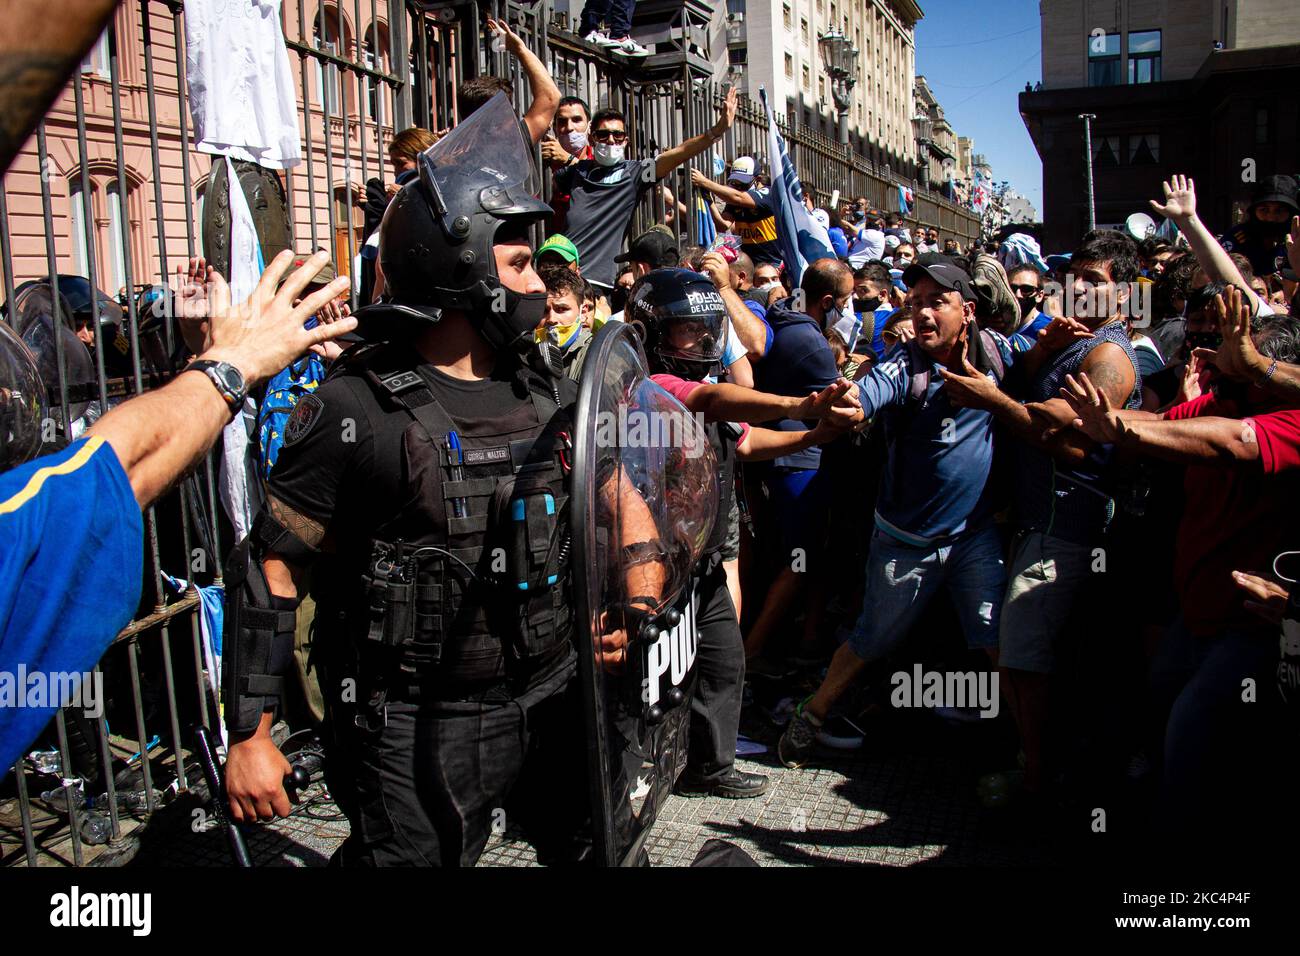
(906,798)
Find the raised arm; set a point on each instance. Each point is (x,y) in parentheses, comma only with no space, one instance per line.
(734,197)
(670,159)
(40,46)
(1180,206)
(749,327)
(733,403)
(546,95)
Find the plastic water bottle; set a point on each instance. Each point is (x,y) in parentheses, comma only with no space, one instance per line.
(498,42)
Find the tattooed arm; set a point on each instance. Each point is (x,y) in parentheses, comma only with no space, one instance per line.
(40,47)
(285,578)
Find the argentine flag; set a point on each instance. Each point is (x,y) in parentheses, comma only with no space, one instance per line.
(802,239)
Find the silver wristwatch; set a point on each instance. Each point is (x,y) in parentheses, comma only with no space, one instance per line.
(228,380)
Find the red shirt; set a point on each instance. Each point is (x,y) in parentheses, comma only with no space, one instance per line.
(679,388)
(1236,518)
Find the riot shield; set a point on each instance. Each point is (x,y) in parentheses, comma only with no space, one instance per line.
(644,502)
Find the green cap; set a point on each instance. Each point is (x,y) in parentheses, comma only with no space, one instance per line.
(561,246)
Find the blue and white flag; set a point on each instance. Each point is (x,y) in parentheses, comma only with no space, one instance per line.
(905,199)
(800,237)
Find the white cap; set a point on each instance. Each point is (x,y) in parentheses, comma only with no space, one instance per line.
(743,169)
(892,242)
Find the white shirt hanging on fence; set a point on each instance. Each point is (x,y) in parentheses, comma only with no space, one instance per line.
(241,91)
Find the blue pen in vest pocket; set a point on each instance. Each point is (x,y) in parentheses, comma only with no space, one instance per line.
(456,459)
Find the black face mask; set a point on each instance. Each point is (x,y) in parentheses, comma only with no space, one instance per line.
(692,370)
(866,305)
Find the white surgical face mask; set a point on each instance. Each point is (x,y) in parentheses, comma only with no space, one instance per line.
(609,154)
(843,321)
(769,284)
(573,142)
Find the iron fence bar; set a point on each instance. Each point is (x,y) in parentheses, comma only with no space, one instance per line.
(74,811)
(47,213)
(137,703)
(106,766)
(169,679)
(88,227)
(306,125)
(25,811)
(6,256)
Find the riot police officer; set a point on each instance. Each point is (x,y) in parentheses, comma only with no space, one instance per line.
(1262,237)
(423,487)
(682,320)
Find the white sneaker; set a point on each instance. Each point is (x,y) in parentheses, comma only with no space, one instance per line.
(596,36)
(629,47)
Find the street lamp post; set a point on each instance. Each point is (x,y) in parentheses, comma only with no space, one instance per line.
(1087,158)
(841,59)
(922,130)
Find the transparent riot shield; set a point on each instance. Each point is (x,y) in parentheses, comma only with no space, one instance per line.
(644,502)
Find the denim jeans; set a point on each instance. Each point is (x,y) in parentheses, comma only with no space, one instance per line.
(902,579)
(617,15)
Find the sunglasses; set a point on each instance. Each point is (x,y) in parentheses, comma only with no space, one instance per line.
(1025,291)
(610,136)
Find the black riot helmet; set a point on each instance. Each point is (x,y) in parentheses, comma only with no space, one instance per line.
(475,189)
(22,400)
(682,320)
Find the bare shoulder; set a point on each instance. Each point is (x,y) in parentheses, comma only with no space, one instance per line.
(1111,370)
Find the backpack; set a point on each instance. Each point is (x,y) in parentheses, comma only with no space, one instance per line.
(283,392)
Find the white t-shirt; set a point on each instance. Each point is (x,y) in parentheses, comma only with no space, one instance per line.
(241,91)
(869,244)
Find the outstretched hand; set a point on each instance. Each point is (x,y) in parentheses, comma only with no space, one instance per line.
(1060,332)
(1236,357)
(1180,199)
(837,403)
(727,112)
(264,333)
(1096,418)
(514,44)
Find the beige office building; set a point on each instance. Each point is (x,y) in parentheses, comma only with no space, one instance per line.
(773,44)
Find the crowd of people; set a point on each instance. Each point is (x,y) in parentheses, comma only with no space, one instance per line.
(1080,463)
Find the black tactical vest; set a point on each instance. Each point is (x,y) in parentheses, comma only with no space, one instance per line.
(468,581)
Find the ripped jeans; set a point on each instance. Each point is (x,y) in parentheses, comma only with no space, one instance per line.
(902,579)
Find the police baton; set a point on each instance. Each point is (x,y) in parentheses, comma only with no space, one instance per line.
(217,788)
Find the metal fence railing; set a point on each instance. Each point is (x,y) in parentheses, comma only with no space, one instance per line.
(112,188)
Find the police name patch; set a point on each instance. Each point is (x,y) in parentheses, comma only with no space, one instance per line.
(486,456)
(305,415)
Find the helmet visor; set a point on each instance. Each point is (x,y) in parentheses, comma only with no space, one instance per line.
(484,160)
(701,338)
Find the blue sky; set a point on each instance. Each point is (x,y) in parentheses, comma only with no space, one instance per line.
(977,55)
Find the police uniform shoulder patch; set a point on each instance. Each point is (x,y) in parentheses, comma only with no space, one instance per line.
(304,416)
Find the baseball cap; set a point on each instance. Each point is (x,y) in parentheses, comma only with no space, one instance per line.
(945,274)
(743,169)
(651,247)
(562,246)
(892,242)
(325,276)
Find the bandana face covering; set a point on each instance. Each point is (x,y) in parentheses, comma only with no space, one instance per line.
(561,336)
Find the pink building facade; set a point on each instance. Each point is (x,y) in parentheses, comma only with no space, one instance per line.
(157,215)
